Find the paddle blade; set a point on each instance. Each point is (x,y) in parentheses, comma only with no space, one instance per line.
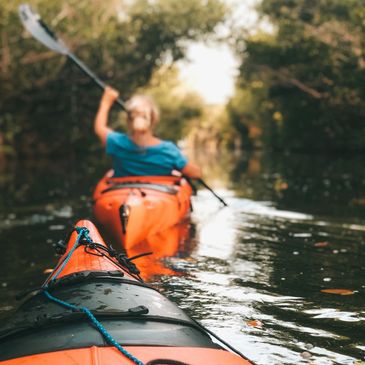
(38,29)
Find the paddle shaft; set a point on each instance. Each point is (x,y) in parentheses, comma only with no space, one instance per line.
(94,77)
(201,181)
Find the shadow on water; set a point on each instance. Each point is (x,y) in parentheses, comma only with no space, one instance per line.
(294,227)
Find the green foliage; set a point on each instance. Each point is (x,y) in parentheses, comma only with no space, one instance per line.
(179,106)
(124,42)
(312,67)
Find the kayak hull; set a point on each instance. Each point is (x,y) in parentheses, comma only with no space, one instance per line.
(134,209)
(109,355)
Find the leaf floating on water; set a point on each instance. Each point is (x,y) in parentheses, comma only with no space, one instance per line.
(360,201)
(254,323)
(321,244)
(280,185)
(306,355)
(339,291)
(47,271)
(283,186)
(56,227)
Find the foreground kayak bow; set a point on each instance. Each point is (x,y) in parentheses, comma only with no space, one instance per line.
(94,309)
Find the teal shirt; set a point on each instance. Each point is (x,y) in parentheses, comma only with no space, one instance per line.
(130,159)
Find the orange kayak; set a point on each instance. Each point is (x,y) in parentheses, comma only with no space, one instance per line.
(133,209)
(94,309)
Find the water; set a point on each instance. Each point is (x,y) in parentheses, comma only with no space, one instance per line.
(253,272)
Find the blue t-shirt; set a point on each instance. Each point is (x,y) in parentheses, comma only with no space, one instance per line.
(130,159)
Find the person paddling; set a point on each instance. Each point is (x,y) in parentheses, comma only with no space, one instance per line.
(139,153)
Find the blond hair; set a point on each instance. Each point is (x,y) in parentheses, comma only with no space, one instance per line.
(140,124)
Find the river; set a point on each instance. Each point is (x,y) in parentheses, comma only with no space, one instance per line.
(253,272)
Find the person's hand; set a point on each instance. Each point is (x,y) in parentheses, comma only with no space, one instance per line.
(109,96)
(176,173)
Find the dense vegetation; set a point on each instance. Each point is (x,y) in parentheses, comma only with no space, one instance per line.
(301,83)
(180,107)
(47,105)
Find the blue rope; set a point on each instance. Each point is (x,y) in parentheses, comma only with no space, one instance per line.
(97,324)
(84,232)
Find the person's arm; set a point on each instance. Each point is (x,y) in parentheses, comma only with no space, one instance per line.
(101,120)
(192,170)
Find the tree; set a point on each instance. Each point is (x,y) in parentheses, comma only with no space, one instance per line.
(180,107)
(312,67)
(44,98)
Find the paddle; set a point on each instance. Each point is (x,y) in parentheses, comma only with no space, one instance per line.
(202,182)
(40,31)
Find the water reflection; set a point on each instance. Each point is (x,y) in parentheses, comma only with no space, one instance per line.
(177,242)
(315,184)
(294,226)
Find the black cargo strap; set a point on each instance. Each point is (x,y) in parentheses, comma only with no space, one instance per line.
(139,313)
